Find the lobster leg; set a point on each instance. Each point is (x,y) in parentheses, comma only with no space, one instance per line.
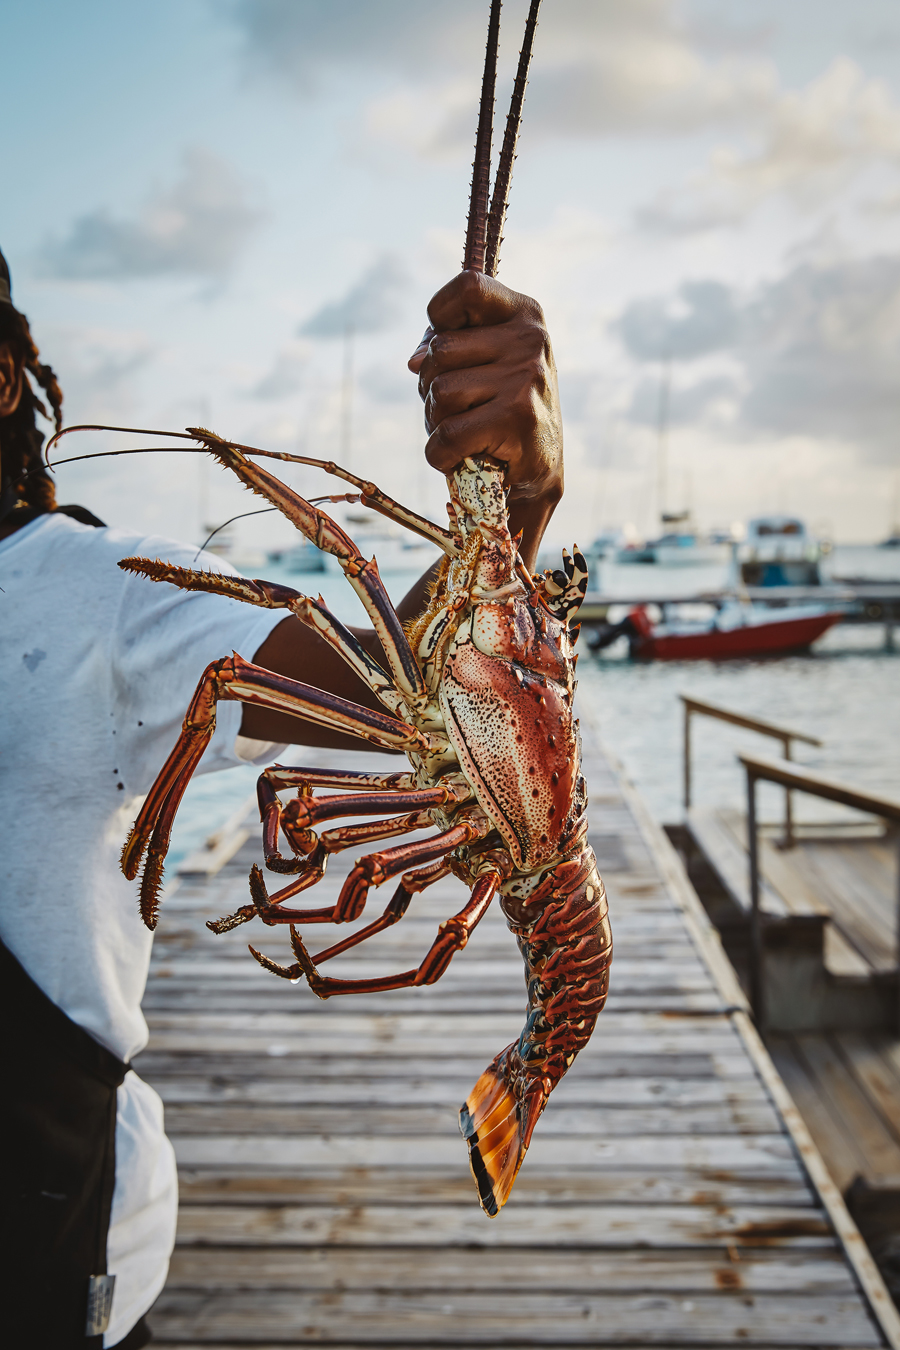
(268,907)
(322,531)
(283,776)
(235,678)
(376,868)
(410,885)
(372,870)
(379,501)
(277,779)
(268,595)
(453,935)
(394,912)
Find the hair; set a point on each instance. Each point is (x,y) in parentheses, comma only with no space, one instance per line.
(20,440)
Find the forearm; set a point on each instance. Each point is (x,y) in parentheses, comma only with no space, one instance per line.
(296,651)
(532,518)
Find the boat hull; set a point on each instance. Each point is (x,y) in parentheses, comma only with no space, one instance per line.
(778,637)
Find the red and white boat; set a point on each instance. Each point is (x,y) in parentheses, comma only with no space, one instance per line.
(736,630)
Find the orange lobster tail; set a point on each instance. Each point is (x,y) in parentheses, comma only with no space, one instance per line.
(567,951)
(498,1131)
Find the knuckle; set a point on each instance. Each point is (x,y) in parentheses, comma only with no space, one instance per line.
(534,340)
(436,348)
(471,284)
(442,438)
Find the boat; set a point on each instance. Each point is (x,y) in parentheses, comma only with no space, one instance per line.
(611,541)
(737,629)
(779,551)
(682,544)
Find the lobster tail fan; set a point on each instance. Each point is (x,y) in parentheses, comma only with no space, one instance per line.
(498,1127)
(481,169)
(500,198)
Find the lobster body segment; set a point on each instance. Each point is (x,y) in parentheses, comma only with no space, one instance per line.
(564,936)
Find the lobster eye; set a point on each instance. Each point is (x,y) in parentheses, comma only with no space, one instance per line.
(560,578)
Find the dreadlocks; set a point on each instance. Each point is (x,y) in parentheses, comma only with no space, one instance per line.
(20,439)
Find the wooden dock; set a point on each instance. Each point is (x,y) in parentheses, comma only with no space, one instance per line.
(671,1196)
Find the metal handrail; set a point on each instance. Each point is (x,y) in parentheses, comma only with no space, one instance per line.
(816,785)
(786,735)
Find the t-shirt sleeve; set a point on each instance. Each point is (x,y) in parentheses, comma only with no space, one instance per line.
(162,641)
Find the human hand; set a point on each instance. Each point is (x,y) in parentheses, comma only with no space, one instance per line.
(488,378)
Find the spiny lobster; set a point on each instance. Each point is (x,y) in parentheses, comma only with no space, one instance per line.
(478,692)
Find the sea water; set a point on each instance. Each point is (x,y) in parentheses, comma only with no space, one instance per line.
(846,692)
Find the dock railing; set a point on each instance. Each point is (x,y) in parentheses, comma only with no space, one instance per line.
(816,785)
(699,708)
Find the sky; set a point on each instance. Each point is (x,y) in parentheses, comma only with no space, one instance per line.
(199,196)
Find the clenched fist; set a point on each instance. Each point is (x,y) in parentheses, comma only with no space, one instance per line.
(488,379)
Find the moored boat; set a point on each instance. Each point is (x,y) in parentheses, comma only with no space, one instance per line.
(736,630)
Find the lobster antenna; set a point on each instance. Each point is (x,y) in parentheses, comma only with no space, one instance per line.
(500,199)
(481,169)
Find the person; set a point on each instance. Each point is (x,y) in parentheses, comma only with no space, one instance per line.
(97,667)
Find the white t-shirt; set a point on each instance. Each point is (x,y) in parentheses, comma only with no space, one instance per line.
(97,667)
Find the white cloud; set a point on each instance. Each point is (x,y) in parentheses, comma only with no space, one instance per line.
(285,376)
(97,368)
(601,67)
(198,226)
(369,306)
(816,352)
(812,143)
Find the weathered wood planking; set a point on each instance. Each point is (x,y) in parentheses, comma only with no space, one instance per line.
(326,1196)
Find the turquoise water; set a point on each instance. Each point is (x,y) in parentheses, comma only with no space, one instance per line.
(846,692)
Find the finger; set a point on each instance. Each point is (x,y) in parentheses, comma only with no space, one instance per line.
(472,300)
(415,361)
(458,391)
(478,431)
(463,349)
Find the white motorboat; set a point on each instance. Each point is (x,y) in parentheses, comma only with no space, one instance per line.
(681,544)
(779,551)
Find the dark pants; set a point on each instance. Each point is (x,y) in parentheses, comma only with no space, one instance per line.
(57,1136)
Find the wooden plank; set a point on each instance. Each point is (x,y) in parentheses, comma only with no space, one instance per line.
(728,859)
(449,1316)
(878,1146)
(522,1226)
(867,918)
(742,1153)
(407,1116)
(642,972)
(256,1089)
(534,1186)
(837,1145)
(705,1003)
(417,1026)
(874,1073)
(756,1270)
(280,1062)
(483,1045)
